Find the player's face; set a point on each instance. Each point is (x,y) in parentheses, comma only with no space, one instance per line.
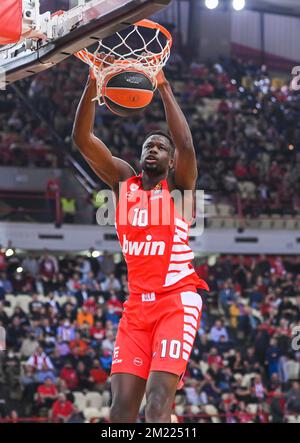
(156,154)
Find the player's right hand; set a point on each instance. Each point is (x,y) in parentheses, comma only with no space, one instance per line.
(104,59)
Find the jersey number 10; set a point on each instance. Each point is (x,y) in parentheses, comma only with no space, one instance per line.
(174,347)
(140,217)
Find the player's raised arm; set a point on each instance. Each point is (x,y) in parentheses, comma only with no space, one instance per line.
(185,166)
(110,169)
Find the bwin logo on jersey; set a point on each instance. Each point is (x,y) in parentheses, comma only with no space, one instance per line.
(147,247)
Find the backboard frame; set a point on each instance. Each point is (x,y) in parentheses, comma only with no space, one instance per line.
(118,15)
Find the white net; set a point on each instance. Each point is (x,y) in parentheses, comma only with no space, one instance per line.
(143,52)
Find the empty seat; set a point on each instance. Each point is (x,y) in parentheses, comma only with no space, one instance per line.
(61,300)
(94,400)
(210,210)
(229,223)
(23,301)
(237,376)
(290,223)
(293,418)
(247,380)
(9,311)
(106,398)
(12,299)
(104,412)
(223,209)
(204,367)
(213,412)
(179,410)
(292,369)
(91,413)
(79,400)
(216,223)
(252,408)
(265,223)
(278,223)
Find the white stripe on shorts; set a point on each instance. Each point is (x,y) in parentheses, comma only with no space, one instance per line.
(192,311)
(187,347)
(188,338)
(190,330)
(185,356)
(188,319)
(192,299)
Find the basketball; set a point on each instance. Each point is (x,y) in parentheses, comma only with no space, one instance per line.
(128,92)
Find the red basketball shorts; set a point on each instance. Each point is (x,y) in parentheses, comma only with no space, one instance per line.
(157,332)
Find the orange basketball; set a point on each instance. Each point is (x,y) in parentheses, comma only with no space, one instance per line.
(128,92)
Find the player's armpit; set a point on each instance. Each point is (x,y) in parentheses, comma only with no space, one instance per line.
(111,170)
(185,168)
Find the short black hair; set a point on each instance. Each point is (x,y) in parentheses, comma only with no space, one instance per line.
(164,134)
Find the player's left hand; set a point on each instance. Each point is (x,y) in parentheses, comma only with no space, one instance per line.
(161,79)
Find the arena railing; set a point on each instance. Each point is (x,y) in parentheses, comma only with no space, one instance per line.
(186,418)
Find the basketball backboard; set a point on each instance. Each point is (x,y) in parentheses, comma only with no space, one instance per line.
(79,25)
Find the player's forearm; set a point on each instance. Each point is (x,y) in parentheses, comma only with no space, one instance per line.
(85,115)
(176,120)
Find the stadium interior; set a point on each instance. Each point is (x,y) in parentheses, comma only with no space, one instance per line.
(62,277)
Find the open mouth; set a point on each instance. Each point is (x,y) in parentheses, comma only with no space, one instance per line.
(151,159)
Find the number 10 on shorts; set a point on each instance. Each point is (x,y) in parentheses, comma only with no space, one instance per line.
(170,348)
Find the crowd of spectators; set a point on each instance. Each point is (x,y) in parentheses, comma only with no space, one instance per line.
(247,144)
(61,315)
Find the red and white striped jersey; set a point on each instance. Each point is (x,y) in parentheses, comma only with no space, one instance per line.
(154,239)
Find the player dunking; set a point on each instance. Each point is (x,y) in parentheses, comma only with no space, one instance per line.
(162,315)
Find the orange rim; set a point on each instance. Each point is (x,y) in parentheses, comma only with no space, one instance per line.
(83,54)
(153,25)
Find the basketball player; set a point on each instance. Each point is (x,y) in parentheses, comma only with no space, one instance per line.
(162,315)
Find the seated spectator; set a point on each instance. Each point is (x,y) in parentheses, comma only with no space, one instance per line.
(258,391)
(97,333)
(62,409)
(66,332)
(76,416)
(98,376)
(73,284)
(227,297)
(29,346)
(109,341)
(6,286)
(209,392)
(272,357)
(83,377)
(28,384)
(42,365)
(35,307)
(85,317)
(90,304)
(78,346)
(62,347)
(111,282)
(46,394)
(18,312)
(256,297)
(15,333)
(69,376)
(82,295)
(106,359)
(293,399)
(217,331)
(4,321)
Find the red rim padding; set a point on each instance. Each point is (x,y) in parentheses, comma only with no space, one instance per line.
(10,21)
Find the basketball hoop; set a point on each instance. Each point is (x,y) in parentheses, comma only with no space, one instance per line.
(149,54)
